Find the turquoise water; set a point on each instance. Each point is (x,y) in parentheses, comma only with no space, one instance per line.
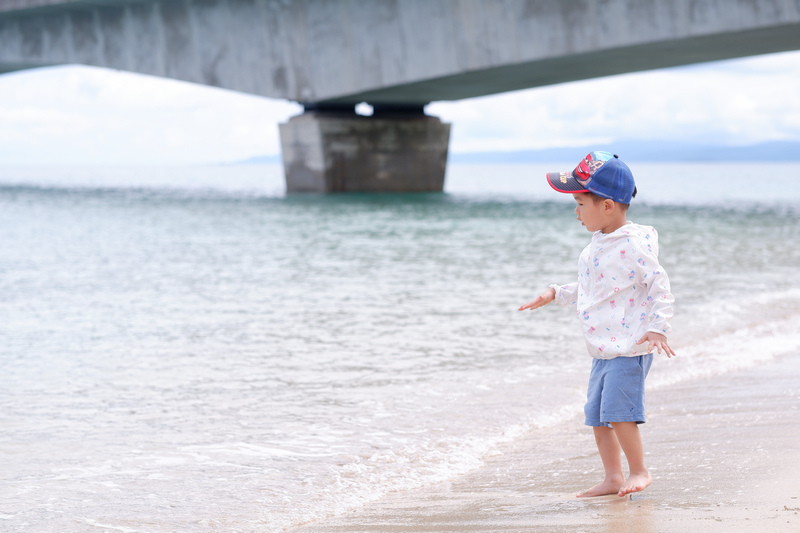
(192,350)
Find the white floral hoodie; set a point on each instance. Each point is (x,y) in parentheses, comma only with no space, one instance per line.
(622,292)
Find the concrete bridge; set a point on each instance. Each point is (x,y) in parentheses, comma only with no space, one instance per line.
(397,55)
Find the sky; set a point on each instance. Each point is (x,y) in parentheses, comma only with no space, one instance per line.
(77,115)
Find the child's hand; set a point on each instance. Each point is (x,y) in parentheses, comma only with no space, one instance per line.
(545,298)
(657,341)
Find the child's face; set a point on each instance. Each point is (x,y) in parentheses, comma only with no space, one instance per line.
(590,213)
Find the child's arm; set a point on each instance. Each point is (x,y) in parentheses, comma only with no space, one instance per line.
(545,298)
(565,295)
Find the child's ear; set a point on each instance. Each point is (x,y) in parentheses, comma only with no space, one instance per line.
(609,206)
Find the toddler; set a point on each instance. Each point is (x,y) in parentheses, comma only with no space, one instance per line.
(623,301)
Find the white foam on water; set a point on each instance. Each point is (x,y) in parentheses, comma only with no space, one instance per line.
(743,348)
(359,480)
(725,336)
(99,525)
(252,450)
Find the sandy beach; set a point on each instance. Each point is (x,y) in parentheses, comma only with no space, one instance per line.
(722,452)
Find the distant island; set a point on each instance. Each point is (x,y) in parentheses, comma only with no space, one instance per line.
(645,152)
(655,151)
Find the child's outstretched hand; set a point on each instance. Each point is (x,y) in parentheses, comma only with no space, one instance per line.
(545,298)
(657,341)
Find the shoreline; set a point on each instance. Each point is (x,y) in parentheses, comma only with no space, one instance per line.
(720,451)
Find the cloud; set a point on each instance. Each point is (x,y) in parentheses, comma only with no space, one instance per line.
(85,115)
(741,101)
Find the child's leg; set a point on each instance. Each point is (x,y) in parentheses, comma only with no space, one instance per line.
(630,440)
(609,447)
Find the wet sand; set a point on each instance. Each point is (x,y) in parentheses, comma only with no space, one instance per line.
(723,453)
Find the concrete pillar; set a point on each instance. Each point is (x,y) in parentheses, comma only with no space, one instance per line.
(332,149)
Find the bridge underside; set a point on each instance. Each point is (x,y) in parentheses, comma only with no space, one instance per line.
(609,62)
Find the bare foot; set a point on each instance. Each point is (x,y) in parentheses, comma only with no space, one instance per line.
(635,483)
(606,487)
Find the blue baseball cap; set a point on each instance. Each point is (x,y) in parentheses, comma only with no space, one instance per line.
(601,173)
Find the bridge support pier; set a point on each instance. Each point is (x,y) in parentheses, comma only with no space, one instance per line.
(332,149)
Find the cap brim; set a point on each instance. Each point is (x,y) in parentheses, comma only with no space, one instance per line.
(565,182)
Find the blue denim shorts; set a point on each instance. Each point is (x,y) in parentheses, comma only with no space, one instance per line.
(616,390)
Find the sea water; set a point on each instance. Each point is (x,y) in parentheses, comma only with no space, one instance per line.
(191,349)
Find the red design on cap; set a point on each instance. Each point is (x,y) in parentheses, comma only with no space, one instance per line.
(584,171)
